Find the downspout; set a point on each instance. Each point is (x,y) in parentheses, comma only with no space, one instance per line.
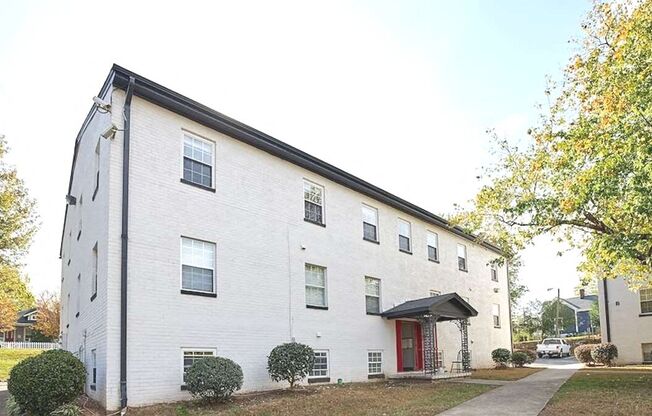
(606,308)
(125,242)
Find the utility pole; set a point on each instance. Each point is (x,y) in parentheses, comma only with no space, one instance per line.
(557,314)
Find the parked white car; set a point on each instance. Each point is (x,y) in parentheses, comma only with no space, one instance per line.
(553,346)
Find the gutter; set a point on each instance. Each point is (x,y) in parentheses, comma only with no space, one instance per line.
(125,243)
(606,308)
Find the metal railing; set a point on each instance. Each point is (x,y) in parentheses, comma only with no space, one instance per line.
(31,345)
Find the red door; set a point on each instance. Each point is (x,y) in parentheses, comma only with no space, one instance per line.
(409,346)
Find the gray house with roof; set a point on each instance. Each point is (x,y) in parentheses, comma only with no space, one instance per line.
(581,305)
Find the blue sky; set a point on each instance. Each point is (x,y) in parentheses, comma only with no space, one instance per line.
(398,93)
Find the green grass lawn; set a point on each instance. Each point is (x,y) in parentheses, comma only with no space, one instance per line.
(604,391)
(358,399)
(10,357)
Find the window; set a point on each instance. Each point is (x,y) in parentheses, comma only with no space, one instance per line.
(435,293)
(404,236)
(78,295)
(372,295)
(647,353)
(315,286)
(93,369)
(190,356)
(197,265)
(198,161)
(313,199)
(461,257)
(320,366)
(433,246)
(97,169)
(79,220)
(94,284)
(646,300)
(495,310)
(494,272)
(374,362)
(369,223)
(32,317)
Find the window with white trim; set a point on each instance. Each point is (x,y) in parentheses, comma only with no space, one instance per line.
(494,273)
(198,159)
(646,300)
(320,365)
(316,286)
(435,292)
(197,265)
(191,356)
(372,295)
(313,202)
(32,317)
(433,246)
(94,277)
(374,362)
(647,352)
(369,223)
(461,257)
(404,235)
(495,311)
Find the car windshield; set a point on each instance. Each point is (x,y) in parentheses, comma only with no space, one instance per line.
(551,341)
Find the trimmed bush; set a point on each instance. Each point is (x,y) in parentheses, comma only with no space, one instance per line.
(501,356)
(290,362)
(583,353)
(519,359)
(604,353)
(69,409)
(11,407)
(214,378)
(42,383)
(531,355)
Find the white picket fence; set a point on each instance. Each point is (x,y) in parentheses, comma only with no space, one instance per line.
(31,345)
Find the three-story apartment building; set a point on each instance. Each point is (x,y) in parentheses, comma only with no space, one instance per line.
(189,234)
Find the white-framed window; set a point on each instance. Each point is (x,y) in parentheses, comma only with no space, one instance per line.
(197,265)
(434,292)
(646,300)
(374,362)
(316,286)
(198,160)
(93,369)
(369,223)
(94,277)
(31,316)
(191,355)
(320,366)
(372,294)
(461,257)
(494,273)
(495,311)
(433,246)
(647,352)
(404,236)
(313,202)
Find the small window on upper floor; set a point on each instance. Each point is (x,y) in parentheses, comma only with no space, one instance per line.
(198,160)
(646,300)
(433,246)
(461,257)
(313,202)
(369,223)
(404,236)
(97,169)
(494,273)
(94,277)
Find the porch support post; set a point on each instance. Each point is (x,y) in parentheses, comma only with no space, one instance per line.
(428,332)
(463,324)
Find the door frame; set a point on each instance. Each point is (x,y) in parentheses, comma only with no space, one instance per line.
(418,350)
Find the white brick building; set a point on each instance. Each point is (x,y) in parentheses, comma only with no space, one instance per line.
(626,320)
(235,242)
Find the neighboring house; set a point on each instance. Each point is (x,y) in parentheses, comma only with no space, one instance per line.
(581,305)
(217,239)
(626,320)
(23,331)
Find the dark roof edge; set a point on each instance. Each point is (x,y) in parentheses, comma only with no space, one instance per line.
(202,114)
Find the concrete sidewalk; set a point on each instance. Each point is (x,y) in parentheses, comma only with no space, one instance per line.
(524,397)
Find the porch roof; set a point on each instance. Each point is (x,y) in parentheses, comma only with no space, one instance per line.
(445,307)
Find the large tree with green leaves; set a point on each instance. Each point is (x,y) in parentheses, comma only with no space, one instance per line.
(585,173)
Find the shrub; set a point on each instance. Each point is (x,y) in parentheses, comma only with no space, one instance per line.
(42,383)
(214,378)
(68,409)
(583,353)
(290,362)
(500,356)
(604,353)
(531,355)
(519,359)
(11,407)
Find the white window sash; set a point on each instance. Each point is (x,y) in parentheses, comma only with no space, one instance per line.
(328,365)
(192,261)
(193,350)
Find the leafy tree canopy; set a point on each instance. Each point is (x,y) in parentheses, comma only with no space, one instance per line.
(585,174)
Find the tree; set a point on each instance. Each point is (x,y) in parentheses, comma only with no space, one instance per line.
(594,314)
(527,323)
(17,213)
(549,315)
(8,312)
(48,315)
(585,173)
(14,287)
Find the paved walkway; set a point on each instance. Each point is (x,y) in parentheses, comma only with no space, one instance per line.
(524,397)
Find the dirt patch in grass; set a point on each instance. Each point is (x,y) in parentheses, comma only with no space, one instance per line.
(10,357)
(601,392)
(506,374)
(387,398)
